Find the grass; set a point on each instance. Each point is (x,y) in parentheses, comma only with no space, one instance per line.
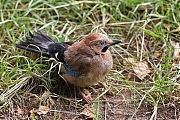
(146,28)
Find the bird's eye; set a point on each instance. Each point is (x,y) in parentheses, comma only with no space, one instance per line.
(101,43)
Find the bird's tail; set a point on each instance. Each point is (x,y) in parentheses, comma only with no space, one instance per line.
(37,43)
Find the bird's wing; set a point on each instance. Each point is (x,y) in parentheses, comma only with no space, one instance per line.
(83,64)
(56,51)
(41,43)
(80,58)
(37,43)
(79,65)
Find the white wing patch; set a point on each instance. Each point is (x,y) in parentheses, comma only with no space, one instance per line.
(56,55)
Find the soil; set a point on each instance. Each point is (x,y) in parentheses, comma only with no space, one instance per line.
(69,105)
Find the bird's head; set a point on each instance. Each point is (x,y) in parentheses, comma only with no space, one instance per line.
(99,42)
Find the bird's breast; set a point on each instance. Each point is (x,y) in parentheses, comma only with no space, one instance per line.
(103,63)
(92,69)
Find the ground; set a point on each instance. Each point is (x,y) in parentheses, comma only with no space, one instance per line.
(142,85)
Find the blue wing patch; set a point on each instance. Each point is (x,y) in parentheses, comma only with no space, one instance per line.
(71,71)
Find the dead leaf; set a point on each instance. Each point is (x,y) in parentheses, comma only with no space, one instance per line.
(42,110)
(176,30)
(176,54)
(167,26)
(88,111)
(130,60)
(176,64)
(141,69)
(26,112)
(19,111)
(173,43)
(130,75)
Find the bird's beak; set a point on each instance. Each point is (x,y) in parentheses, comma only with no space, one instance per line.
(110,44)
(114,42)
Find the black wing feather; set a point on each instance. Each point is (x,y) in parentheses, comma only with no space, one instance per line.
(42,44)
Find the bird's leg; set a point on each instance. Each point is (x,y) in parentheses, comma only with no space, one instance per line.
(86,95)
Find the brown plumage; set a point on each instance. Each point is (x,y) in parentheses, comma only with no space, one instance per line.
(87,57)
(85,62)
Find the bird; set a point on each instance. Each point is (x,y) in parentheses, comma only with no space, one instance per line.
(84,62)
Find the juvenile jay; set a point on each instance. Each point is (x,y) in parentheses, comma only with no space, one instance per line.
(84,62)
